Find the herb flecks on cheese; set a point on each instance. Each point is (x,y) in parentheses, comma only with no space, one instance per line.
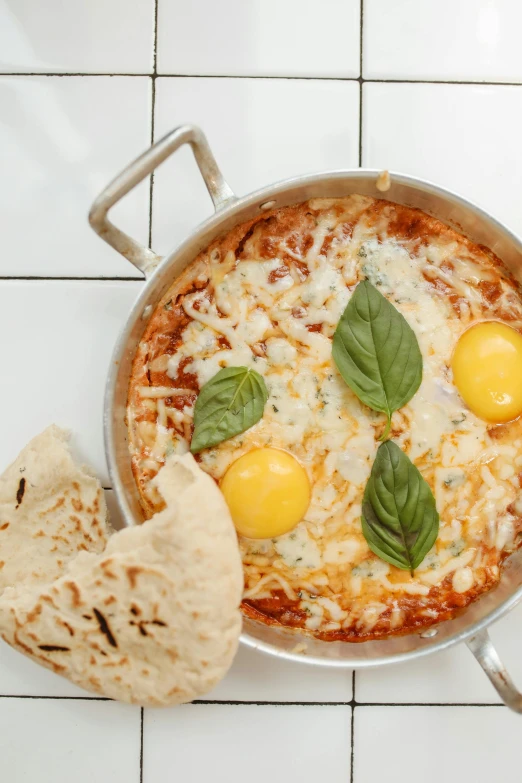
(269,297)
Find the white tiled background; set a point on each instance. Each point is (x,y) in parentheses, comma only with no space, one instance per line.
(281,87)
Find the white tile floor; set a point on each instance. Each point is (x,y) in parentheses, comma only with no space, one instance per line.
(223,743)
(79,36)
(62,138)
(260,38)
(258,134)
(65,740)
(59,360)
(443,40)
(437,743)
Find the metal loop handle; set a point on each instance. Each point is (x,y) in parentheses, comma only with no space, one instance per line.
(220,192)
(482,648)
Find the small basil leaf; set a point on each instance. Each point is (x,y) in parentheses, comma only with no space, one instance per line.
(399,517)
(231,402)
(376,352)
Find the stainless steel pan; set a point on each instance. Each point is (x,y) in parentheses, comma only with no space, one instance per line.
(471,626)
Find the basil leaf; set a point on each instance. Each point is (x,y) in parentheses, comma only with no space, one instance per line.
(399,517)
(231,402)
(376,352)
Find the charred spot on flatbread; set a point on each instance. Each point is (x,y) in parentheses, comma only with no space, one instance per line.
(154,618)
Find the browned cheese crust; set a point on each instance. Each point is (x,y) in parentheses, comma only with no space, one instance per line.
(463,281)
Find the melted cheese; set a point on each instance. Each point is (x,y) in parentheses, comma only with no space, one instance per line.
(266,315)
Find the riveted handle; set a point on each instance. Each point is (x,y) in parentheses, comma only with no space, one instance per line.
(221,194)
(482,648)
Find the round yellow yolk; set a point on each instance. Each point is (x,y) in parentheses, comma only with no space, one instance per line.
(267,492)
(487,370)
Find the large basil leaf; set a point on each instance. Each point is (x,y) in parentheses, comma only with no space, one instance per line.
(231,402)
(376,352)
(399,517)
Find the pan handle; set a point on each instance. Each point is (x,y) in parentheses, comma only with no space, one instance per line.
(221,194)
(482,648)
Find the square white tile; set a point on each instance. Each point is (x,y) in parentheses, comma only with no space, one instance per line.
(55,370)
(448,40)
(223,743)
(436,743)
(258,134)
(259,38)
(106,36)
(465,138)
(449,677)
(60,741)
(62,141)
(258,677)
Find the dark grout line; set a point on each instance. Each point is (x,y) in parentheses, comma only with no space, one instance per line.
(153,111)
(352,751)
(83,73)
(274,703)
(194,76)
(361,82)
(141,744)
(258,76)
(361,12)
(151,178)
(359,79)
(442,81)
(425,704)
(353,705)
(155,44)
(33,278)
(55,698)
(360,124)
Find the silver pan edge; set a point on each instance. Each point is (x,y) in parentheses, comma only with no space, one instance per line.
(459,213)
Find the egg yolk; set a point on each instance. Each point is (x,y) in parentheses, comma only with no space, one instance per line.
(487,370)
(267,492)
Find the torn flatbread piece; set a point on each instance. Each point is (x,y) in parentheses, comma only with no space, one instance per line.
(50,509)
(155,619)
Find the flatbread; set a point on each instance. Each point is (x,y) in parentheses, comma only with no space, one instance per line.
(50,509)
(155,619)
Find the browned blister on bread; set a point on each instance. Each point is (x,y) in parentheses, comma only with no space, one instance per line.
(155,618)
(50,509)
